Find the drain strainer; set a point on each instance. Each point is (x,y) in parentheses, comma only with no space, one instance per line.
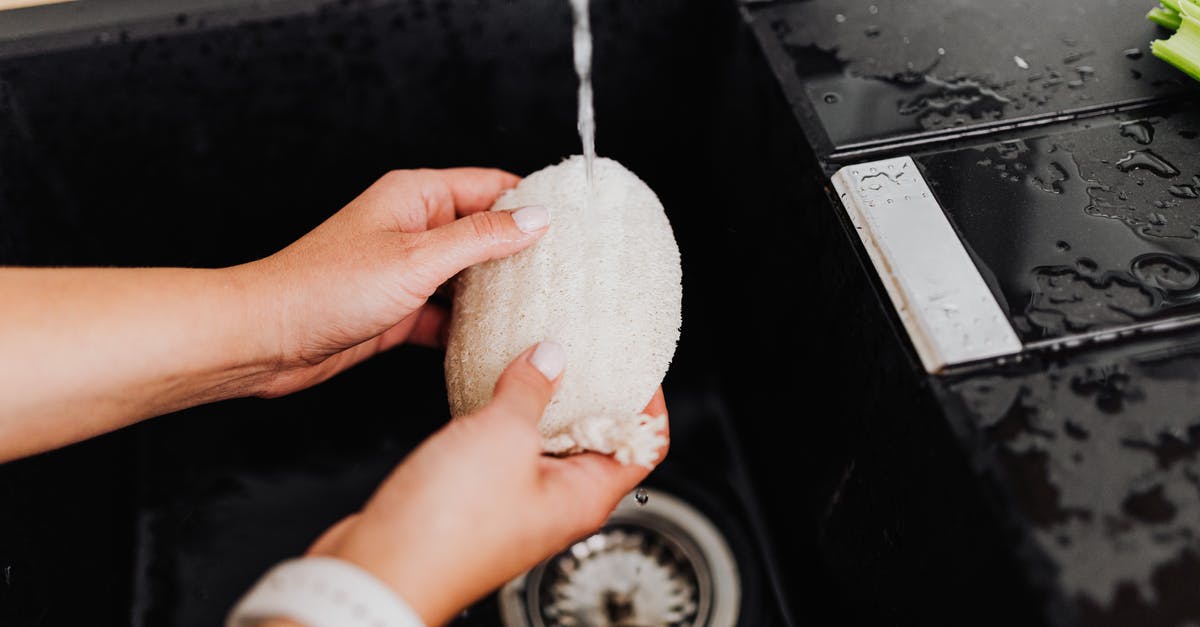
(662,564)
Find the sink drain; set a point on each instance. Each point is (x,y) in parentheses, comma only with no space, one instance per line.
(662,564)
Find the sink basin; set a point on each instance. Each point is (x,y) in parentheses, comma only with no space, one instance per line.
(212,133)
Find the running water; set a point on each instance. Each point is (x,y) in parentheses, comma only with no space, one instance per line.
(583,67)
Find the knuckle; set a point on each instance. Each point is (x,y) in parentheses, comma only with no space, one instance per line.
(488,225)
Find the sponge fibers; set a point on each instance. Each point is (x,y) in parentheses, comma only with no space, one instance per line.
(605,283)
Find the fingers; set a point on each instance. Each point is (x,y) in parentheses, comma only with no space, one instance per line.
(426,327)
(525,387)
(586,487)
(657,405)
(592,483)
(439,254)
(604,477)
(475,189)
(417,200)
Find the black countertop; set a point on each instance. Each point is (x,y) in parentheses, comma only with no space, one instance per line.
(1066,158)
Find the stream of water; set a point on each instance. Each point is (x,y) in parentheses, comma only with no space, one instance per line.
(583,67)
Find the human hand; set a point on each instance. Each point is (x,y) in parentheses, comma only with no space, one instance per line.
(358,283)
(477,503)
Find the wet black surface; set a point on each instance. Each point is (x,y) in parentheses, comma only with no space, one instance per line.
(1064,154)
(1098,454)
(1075,239)
(882,71)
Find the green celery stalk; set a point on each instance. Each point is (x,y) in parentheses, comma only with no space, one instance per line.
(1164,17)
(1189,7)
(1170,5)
(1183,48)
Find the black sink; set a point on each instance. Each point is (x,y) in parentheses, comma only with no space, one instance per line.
(211,133)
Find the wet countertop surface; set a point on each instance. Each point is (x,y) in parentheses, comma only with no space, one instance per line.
(1068,160)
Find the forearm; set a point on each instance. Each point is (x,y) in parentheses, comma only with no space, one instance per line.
(89,350)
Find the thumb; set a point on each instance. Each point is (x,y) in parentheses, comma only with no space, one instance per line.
(525,387)
(442,252)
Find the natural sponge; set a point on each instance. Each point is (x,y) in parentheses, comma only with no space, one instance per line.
(605,283)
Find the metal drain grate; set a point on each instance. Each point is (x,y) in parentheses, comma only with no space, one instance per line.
(658,565)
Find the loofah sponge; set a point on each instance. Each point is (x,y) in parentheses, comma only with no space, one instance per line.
(605,283)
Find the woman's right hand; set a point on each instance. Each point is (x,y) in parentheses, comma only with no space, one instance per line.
(478,503)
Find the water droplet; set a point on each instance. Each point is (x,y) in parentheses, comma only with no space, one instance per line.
(839,18)
(1133,53)
(831,98)
(1053,184)
(1183,191)
(1075,431)
(1151,506)
(941,51)
(1062,245)
(641,496)
(1021,63)
(1085,70)
(871,31)
(1141,132)
(1076,84)
(1146,160)
(1165,271)
(1158,219)
(873,10)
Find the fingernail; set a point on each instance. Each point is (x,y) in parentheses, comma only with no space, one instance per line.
(530,219)
(549,358)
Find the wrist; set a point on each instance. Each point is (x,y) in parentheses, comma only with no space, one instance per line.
(254,333)
(420,591)
(320,592)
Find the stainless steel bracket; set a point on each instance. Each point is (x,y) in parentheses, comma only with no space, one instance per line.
(950,314)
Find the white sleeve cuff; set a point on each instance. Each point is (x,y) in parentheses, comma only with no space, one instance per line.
(322,592)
